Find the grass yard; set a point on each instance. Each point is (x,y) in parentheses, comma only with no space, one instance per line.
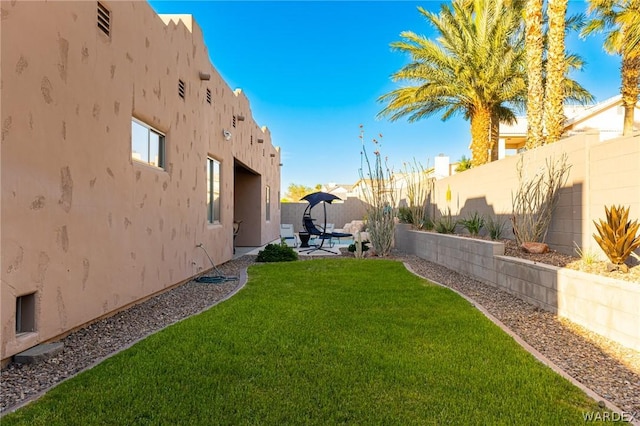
(329,341)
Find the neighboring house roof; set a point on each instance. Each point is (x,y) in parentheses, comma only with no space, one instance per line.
(577,119)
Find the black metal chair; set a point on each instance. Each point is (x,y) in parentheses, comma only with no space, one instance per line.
(319,232)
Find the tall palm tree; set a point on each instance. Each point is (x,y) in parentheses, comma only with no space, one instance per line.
(556,70)
(621,21)
(475,68)
(535,87)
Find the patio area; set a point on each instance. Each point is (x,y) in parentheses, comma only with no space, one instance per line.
(328,249)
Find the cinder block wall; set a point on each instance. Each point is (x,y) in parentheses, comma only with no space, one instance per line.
(602,174)
(603,305)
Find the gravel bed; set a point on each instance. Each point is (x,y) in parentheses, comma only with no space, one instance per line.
(610,370)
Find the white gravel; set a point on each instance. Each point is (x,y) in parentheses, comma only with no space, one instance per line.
(608,369)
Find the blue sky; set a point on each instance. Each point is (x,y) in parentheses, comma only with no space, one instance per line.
(313,71)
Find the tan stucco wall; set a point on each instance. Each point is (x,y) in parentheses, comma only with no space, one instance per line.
(82,224)
(602,173)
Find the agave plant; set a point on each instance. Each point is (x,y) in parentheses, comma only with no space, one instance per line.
(617,235)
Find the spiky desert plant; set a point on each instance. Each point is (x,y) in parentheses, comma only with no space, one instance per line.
(617,235)
(473,223)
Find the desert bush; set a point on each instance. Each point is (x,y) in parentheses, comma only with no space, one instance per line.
(378,194)
(495,227)
(536,198)
(473,223)
(277,253)
(418,188)
(445,224)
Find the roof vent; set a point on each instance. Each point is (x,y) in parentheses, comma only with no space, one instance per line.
(209,96)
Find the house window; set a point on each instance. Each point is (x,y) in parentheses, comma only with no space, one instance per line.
(213,190)
(268,204)
(147,144)
(104,19)
(26,313)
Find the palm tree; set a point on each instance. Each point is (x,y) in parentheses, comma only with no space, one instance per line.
(556,70)
(535,88)
(622,20)
(475,68)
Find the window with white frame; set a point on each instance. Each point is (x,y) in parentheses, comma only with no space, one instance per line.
(213,190)
(268,204)
(147,144)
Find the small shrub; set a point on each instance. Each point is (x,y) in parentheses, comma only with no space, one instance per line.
(352,247)
(427,223)
(446,224)
(495,227)
(617,236)
(473,223)
(277,253)
(405,215)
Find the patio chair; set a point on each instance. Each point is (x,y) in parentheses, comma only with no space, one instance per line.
(288,235)
(320,233)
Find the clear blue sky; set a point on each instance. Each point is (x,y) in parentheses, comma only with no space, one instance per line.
(313,70)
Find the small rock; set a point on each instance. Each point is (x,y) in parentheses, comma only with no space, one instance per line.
(535,248)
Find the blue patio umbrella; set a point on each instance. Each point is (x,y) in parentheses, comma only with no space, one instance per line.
(318,197)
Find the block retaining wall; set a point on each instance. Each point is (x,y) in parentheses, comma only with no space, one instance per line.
(606,306)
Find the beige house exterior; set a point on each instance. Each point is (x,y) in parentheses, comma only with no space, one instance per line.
(122,150)
(605,118)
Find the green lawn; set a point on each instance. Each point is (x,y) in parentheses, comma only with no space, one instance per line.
(331,341)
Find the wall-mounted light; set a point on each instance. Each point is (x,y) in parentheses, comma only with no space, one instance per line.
(260,140)
(205,76)
(280,164)
(226,134)
(241,118)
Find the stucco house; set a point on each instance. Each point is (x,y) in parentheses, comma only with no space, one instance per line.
(122,150)
(605,118)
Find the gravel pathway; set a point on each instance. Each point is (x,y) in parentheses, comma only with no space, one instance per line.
(610,370)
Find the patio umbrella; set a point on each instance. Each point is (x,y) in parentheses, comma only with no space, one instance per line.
(318,197)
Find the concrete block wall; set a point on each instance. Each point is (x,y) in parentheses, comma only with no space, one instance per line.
(601,174)
(602,305)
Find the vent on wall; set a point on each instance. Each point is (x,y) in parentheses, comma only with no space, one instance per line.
(181,88)
(209,96)
(26,313)
(104,19)
(234,121)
